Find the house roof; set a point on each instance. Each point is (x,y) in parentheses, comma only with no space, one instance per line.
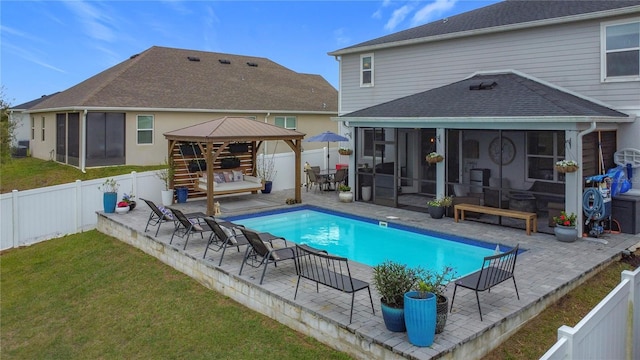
(180,79)
(502,16)
(506,95)
(231,128)
(29,104)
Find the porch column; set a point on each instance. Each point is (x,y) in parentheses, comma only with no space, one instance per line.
(441,148)
(573,181)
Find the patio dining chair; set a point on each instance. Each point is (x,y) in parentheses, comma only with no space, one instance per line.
(260,253)
(338,178)
(318,180)
(186,226)
(160,215)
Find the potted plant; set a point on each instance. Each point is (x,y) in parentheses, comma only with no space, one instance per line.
(437,206)
(266,170)
(122,207)
(420,314)
(128,198)
(344,193)
(345,151)
(434,157)
(393,280)
(565,229)
(109,190)
(566,166)
(436,282)
(166,175)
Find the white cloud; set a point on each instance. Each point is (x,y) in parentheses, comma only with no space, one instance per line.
(94,19)
(340,37)
(397,17)
(20,51)
(432,11)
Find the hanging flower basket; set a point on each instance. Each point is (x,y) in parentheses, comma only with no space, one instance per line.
(566,166)
(343,151)
(434,158)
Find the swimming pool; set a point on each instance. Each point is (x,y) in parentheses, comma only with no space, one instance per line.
(369,241)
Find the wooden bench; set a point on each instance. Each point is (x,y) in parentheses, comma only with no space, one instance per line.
(329,270)
(531,219)
(495,270)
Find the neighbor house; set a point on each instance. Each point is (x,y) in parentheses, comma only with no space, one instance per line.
(503,92)
(118,116)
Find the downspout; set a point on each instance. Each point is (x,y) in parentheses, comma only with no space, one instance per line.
(83,143)
(581,134)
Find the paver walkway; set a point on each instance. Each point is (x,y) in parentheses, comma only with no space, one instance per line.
(547,270)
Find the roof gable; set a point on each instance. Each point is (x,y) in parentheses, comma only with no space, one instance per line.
(493,17)
(231,128)
(168,78)
(488,95)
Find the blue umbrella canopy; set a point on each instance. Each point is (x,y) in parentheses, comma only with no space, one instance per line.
(327,136)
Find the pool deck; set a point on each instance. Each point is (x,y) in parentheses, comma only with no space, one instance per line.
(547,270)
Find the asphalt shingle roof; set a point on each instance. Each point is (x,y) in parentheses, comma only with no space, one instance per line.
(163,77)
(512,96)
(508,12)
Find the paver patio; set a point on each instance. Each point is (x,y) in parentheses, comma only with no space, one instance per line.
(546,271)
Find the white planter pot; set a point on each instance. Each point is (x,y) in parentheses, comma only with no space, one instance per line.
(345,196)
(366,193)
(167,197)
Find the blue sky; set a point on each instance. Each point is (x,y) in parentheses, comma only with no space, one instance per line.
(49,46)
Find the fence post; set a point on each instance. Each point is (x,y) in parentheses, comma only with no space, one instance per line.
(134,183)
(79,208)
(633,329)
(14,218)
(567,333)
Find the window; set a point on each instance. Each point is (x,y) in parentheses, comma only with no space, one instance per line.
(33,128)
(366,70)
(42,123)
(287,122)
(544,148)
(621,51)
(145,129)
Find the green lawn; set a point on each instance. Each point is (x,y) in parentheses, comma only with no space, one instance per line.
(90,296)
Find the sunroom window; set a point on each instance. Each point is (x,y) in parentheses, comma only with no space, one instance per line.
(544,148)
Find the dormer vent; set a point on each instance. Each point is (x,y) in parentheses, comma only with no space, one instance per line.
(193,58)
(224,61)
(483,85)
(252,64)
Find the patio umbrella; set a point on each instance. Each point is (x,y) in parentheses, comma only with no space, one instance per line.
(327,136)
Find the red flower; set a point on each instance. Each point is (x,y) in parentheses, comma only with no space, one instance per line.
(123,204)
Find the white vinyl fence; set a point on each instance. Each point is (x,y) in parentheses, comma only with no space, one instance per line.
(30,216)
(610,331)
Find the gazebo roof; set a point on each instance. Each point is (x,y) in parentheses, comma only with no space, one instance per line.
(230,128)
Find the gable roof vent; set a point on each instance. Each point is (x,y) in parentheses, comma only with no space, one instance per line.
(193,58)
(483,85)
(252,64)
(224,61)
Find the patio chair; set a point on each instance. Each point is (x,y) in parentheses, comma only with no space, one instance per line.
(186,226)
(338,178)
(495,269)
(159,215)
(316,179)
(260,253)
(226,234)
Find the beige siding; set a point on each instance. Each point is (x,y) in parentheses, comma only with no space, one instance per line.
(565,55)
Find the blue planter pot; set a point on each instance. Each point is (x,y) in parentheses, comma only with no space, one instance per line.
(109,200)
(267,187)
(393,318)
(420,318)
(182,193)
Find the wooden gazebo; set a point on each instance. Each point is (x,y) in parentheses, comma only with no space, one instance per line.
(211,141)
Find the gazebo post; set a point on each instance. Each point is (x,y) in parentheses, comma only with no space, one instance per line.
(209,160)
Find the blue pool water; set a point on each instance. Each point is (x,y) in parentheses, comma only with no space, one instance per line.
(365,240)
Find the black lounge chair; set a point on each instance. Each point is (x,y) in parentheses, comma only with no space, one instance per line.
(158,217)
(260,253)
(495,269)
(227,234)
(186,226)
